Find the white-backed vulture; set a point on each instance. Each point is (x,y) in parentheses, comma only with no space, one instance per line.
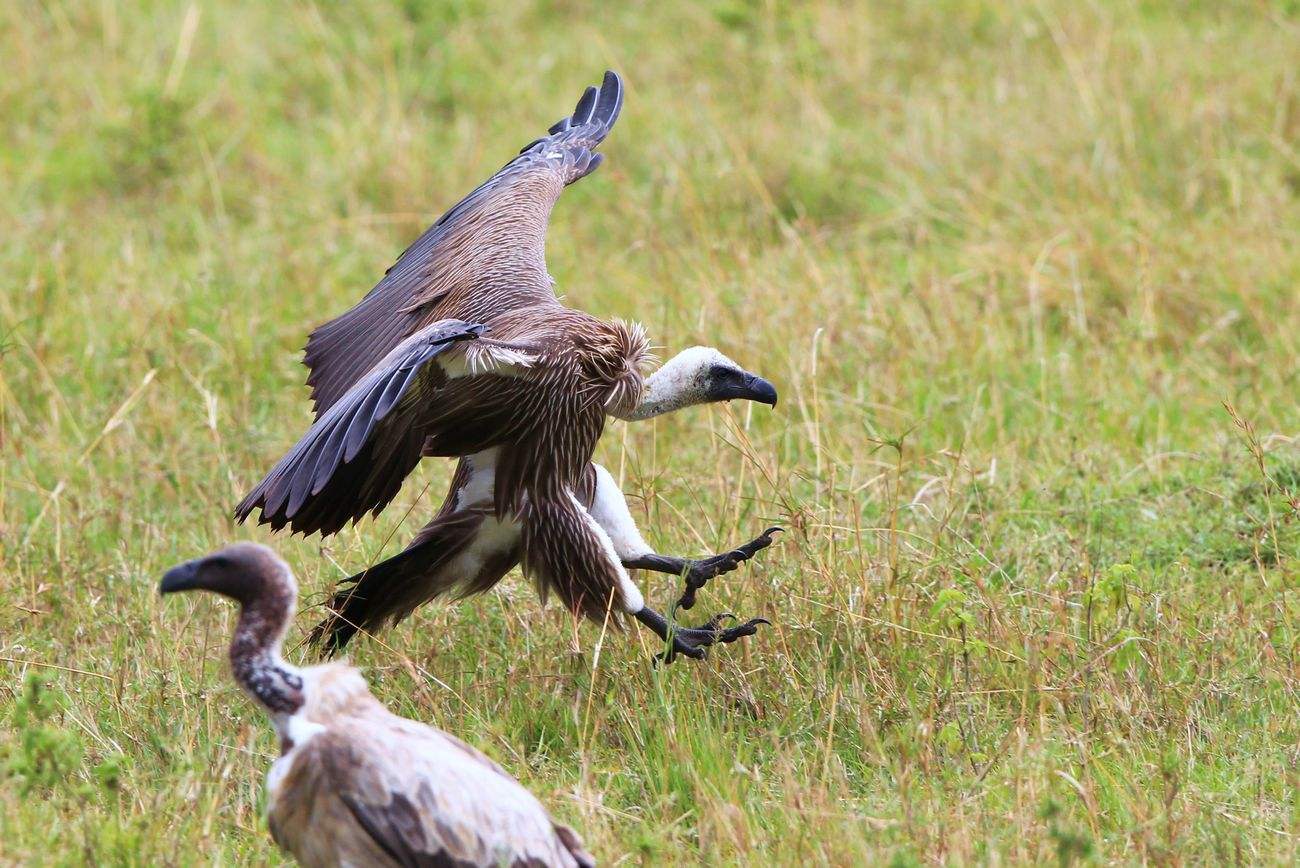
(354,783)
(467,549)
(463,350)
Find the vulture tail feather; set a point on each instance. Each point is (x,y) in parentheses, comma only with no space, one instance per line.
(389,591)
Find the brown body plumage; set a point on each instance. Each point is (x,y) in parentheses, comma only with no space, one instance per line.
(354,783)
(545,426)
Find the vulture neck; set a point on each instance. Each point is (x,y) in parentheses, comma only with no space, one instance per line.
(673,387)
(255,657)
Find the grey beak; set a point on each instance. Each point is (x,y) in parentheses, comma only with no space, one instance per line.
(180,578)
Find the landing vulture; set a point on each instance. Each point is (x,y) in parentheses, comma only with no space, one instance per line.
(463,350)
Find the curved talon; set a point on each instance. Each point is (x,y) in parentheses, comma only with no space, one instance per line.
(707,568)
(690,651)
(749,628)
(715,622)
(694,642)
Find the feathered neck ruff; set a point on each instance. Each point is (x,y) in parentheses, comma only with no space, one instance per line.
(616,362)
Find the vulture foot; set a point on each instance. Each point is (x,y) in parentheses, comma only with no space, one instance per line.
(697,572)
(700,571)
(694,642)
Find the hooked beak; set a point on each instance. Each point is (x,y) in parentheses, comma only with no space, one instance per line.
(180,578)
(760,390)
(744,386)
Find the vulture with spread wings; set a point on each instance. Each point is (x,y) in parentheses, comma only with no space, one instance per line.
(464,351)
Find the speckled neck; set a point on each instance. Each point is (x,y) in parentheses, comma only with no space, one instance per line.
(255,659)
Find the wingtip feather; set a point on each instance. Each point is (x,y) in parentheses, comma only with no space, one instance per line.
(611,98)
(582,112)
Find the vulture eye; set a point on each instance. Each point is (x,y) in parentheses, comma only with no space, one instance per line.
(721,374)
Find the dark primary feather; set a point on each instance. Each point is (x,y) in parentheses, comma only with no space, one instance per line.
(541,390)
(483,257)
(354,458)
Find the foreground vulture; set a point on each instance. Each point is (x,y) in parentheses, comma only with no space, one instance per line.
(463,350)
(356,784)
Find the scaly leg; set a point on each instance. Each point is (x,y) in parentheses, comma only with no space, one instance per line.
(609,509)
(697,572)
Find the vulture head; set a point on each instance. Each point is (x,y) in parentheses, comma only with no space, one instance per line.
(245,572)
(700,375)
(256,578)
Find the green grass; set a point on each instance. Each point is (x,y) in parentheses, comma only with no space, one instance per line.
(1038,599)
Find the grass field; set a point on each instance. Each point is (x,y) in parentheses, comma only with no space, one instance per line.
(1026,275)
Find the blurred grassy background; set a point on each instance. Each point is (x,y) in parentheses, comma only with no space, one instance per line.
(1038,596)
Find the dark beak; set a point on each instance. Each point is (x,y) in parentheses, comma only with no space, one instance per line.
(736,385)
(182,578)
(760,390)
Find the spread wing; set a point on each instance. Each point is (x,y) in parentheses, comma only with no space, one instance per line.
(354,457)
(420,798)
(484,256)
